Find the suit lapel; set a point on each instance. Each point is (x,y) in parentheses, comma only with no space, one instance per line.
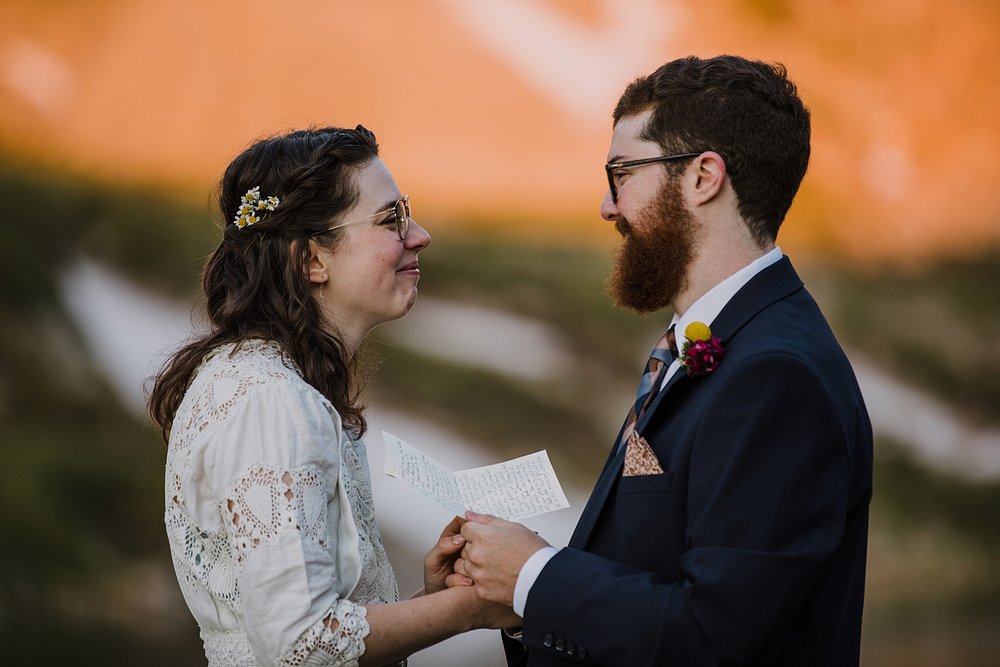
(774,283)
(770,285)
(597,498)
(679,378)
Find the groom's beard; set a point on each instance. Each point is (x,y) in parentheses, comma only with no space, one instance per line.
(651,265)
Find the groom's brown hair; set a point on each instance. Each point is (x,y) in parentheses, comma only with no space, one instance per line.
(748,111)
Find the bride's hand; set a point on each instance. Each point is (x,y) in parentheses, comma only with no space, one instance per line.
(439,564)
(483,614)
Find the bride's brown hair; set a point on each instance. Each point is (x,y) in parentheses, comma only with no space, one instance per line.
(255,283)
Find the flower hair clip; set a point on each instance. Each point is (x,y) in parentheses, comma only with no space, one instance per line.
(702,351)
(250,204)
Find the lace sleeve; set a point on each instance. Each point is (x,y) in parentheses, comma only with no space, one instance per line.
(277,523)
(332,640)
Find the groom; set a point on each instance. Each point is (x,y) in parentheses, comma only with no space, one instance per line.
(729,525)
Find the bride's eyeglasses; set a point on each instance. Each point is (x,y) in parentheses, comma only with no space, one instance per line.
(400,211)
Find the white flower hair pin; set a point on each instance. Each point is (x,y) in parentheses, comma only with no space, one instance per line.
(250,204)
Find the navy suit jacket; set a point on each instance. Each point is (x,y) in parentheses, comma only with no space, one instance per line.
(750,548)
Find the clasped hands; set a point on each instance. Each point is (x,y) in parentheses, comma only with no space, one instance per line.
(484,552)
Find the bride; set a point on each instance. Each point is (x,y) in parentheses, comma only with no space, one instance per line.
(269,509)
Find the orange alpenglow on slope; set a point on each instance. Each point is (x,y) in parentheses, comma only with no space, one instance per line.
(501,112)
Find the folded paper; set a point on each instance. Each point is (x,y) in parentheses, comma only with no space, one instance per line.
(513,490)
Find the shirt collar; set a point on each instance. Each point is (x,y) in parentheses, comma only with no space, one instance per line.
(711,303)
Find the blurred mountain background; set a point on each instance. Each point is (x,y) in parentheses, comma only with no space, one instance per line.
(117,116)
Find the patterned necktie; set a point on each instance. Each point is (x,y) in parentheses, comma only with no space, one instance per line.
(663,353)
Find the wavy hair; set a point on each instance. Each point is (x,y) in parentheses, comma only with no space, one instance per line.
(255,283)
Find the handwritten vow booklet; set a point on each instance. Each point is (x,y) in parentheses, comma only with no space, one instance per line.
(513,490)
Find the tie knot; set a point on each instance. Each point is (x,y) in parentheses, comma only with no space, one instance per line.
(671,341)
(666,347)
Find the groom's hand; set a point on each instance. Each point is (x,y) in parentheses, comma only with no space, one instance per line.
(495,550)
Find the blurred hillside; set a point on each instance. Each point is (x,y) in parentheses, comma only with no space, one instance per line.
(490,108)
(87,578)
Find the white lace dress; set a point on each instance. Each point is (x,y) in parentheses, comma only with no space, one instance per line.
(269,516)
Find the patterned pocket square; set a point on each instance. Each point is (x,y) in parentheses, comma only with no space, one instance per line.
(640,459)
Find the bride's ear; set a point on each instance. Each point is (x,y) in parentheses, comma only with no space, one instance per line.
(316,268)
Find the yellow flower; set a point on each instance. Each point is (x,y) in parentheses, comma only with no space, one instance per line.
(697,331)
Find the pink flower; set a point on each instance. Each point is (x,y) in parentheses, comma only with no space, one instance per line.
(701,357)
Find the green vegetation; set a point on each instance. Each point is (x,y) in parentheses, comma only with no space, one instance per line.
(81,481)
(933,590)
(81,489)
(51,218)
(936,326)
(564,286)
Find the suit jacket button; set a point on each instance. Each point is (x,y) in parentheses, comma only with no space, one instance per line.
(570,648)
(547,641)
(560,644)
(581,653)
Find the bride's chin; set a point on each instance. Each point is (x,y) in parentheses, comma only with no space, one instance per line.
(411,300)
(407,305)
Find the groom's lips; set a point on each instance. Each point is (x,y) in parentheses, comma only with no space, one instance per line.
(412,267)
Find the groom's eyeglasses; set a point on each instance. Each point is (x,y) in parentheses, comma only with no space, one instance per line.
(612,167)
(400,211)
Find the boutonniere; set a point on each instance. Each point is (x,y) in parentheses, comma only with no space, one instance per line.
(702,351)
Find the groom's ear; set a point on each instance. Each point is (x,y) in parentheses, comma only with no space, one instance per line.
(705,178)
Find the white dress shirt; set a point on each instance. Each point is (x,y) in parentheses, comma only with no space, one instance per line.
(705,310)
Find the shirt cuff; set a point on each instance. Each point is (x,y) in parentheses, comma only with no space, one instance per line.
(529,572)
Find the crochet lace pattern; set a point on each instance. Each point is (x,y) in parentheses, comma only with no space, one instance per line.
(260,506)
